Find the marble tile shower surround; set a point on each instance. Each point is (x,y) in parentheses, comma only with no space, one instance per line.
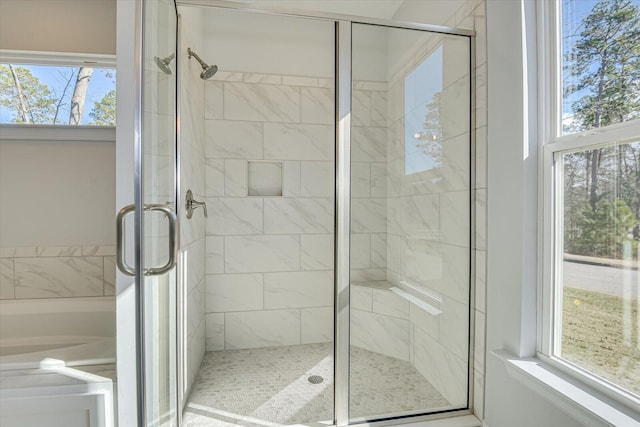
(57,271)
(269,260)
(374,189)
(428,227)
(192,176)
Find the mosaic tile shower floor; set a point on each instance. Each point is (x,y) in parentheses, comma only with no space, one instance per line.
(269,386)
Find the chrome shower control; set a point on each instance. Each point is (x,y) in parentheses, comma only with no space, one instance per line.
(192,204)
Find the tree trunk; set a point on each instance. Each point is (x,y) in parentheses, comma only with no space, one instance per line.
(23,110)
(61,99)
(595,166)
(79,95)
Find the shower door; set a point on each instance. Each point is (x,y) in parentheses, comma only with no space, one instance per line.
(158,233)
(152,262)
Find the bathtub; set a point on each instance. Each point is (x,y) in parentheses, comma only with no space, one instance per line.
(75,331)
(46,347)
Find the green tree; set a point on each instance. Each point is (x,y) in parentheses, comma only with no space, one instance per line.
(431,138)
(605,62)
(103,112)
(602,232)
(22,93)
(604,69)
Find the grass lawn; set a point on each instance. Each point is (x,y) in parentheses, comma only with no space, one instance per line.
(596,338)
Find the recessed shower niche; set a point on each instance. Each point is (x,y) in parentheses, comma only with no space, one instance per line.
(265,178)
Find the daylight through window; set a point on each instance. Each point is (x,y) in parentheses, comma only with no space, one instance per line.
(57,95)
(592,194)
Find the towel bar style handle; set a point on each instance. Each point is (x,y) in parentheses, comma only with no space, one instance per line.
(152,271)
(120,256)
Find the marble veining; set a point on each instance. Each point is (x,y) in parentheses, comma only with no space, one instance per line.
(298,289)
(234,216)
(256,254)
(58,277)
(317,105)
(290,141)
(262,328)
(6,278)
(261,102)
(298,216)
(234,292)
(381,334)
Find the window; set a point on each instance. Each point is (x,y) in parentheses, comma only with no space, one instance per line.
(591,193)
(44,89)
(422,124)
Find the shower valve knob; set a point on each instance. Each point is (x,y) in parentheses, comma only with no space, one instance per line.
(192,204)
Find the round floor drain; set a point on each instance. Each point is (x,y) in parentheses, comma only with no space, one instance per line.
(315,379)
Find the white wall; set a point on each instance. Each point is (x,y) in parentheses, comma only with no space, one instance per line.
(79,26)
(57,193)
(256,43)
(512,219)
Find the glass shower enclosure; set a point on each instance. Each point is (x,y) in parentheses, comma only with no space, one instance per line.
(337,170)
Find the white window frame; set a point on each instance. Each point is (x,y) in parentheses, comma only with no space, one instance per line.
(35,132)
(552,145)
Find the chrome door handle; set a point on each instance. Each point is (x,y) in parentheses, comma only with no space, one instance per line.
(192,204)
(120,258)
(173,249)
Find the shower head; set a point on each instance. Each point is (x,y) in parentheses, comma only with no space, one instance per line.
(163,64)
(207,70)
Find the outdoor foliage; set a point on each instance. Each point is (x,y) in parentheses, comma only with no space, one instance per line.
(30,101)
(104,111)
(23,94)
(602,186)
(430,140)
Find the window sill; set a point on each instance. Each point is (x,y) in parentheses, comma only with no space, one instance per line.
(584,404)
(12,132)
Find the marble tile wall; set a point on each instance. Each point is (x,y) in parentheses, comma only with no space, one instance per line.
(368,183)
(269,259)
(427,229)
(192,176)
(57,272)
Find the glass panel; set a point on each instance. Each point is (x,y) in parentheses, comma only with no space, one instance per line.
(269,183)
(159,160)
(410,225)
(600,63)
(56,95)
(599,277)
